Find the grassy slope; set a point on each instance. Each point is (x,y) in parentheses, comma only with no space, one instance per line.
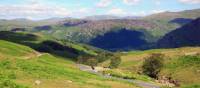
(185,69)
(35,39)
(21,67)
(76,46)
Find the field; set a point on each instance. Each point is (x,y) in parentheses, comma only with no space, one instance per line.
(22,67)
(181,64)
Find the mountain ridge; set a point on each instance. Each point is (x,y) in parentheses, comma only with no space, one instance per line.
(187,35)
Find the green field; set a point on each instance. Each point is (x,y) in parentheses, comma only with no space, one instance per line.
(179,63)
(21,67)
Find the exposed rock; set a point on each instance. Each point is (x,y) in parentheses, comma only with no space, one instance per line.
(37,82)
(168,81)
(69,81)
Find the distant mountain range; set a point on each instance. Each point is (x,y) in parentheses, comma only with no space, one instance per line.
(109,17)
(96,30)
(101,17)
(191,14)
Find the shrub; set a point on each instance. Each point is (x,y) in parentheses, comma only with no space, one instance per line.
(82,59)
(115,61)
(92,62)
(88,60)
(153,65)
(103,56)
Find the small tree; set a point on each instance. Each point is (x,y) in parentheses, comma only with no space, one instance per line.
(88,60)
(103,56)
(115,61)
(92,62)
(153,65)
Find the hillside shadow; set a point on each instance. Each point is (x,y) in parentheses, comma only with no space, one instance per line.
(42,28)
(17,37)
(47,46)
(181,21)
(185,36)
(74,23)
(122,39)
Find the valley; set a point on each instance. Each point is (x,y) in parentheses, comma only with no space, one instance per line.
(102,51)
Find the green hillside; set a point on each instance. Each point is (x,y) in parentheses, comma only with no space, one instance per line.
(22,67)
(46,43)
(94,32)
(167,16)
(181,64)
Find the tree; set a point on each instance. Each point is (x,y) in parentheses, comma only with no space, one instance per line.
(92,62)
(115,61)
(103,56)
(152,65)
(88,60)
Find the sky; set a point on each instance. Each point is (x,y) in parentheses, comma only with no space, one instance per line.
(45,9)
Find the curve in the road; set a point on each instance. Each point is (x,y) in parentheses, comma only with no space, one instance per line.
(137,82)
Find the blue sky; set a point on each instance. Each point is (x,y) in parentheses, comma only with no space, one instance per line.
(43,9)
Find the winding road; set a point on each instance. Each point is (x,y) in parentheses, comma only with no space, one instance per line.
(137,82)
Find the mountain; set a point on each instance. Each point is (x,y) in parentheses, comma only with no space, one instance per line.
(90,31)
(132,17)
(16,23)
(189,14)
(101,17)
(29,24)
(95,28)
(123,39)
(188,35)
(50,53)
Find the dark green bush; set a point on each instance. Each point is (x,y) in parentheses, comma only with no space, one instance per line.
(152,65)
(115,61)
(88,60)
(92,62)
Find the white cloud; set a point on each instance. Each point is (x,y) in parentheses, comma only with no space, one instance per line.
(122,12)
(36,10)
(116,11)
(104,3)
(190,1)
(32,10)
(131,2)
